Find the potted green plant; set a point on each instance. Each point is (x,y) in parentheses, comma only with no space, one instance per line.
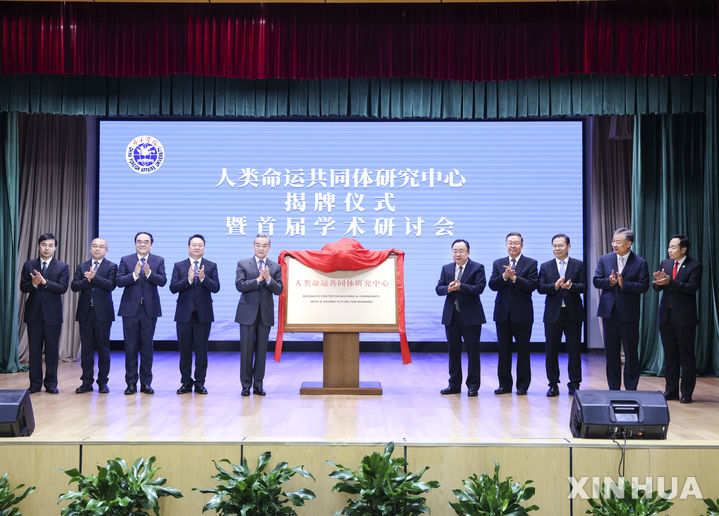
(8,499)
(117,490)
(489,496)
(255,494)
(632,502)
(384,486)
(713,507)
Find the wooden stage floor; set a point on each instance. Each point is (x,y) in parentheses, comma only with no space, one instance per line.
(411,410)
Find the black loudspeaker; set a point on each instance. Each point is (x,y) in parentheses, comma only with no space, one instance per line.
(621,414)
(16,417)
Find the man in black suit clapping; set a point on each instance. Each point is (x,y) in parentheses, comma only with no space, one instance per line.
(563,280)
(679,278)
(95,280)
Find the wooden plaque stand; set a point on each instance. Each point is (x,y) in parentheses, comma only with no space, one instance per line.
(340,368)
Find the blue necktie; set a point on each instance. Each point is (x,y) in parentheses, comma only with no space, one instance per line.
(514,263)
(195,269)
(561,275)
(43,270)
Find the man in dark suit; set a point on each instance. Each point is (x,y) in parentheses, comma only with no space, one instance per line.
(140,274)
(563,280)
(95,280)
(679,278)
(196,280)
(623,277)
(258,279)
(462,282)
(45,280)
(514,278)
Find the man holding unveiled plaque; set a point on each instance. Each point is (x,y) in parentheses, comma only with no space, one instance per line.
(258,279)
(462,282)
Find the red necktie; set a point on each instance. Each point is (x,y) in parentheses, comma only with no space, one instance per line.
(674,270)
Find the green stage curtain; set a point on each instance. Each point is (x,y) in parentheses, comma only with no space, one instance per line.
(9,359)
(575,95)
(670,191)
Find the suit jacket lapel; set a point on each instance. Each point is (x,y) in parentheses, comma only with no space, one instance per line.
(553,273)
(569,269)
(252,265)
(467,267)
(681,271)
(50,267)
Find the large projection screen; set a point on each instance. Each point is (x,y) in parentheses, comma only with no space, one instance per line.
(414,186)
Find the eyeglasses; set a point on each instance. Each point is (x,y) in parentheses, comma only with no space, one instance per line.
(142,242)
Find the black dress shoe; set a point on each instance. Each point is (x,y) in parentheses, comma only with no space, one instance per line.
(102,388)
(245,391)
(200,389)
(449,390)
(572,390)
(34,390)
(553,392)
(51,390)
(671,396)
(83,388)
(184,388)
(131,389)
(147,389)
(685,399)
(502,390)
(472,393)
(259,391)
(521,392)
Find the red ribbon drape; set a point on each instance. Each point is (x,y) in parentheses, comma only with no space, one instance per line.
(347,255)
(468,42)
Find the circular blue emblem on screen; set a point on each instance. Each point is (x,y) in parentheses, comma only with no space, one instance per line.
(145,154)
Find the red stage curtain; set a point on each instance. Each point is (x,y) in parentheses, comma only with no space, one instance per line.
(485,42)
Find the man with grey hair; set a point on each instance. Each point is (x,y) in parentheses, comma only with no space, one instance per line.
(622,277)
(258,279)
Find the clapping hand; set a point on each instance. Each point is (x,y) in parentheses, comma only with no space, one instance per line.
(661,278)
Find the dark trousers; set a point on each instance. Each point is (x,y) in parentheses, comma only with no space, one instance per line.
(678,344)
(456,332)
(253,353)
(192,338)
(95,336)
(553,333)
(138,332)
(617,333)
(39,333)
(521,333)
